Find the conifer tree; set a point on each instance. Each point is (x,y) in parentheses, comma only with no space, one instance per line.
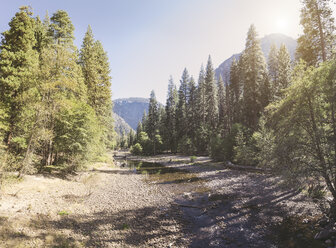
(153,120)
(170,120)
(236,89)
(181,110)
(153,116)
(96,71)
(284,70)
(254,79)
(222,117)
(18,80)
(211,104)
(192,119)
(316,43)
(273,69)
(64,96)
(201,103)
(228,109)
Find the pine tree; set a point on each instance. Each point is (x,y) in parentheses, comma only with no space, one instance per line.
(192,119)
(236,89)
(181,110)
(222,117)
(201,103)
(254,79)
(228,109)
(284,70)
(64,97)
(96,71)
(273,70)
(153,120)
(316,43)
(211,104)
(170,120)
(18,81)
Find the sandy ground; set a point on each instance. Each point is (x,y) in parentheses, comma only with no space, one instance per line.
(209,206)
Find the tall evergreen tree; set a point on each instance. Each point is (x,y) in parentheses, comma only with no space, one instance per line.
(181,110)
(18,79)
(153,120)
(211,104)
(236,89)
(254,79)
(192,119)
(316,43)
(96,71)
(170,122)
(201,102)
(64,96)
(273,69)
(284,70)
(222,118)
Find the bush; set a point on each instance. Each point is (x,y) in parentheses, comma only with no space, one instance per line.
(245,150)
(186,146)
(136,149)
(222,149)
(193,159)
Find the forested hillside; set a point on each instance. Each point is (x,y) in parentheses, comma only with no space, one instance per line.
(55,101)
(266,43)
(271,113)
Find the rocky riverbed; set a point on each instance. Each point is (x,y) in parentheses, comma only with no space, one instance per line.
(162,201)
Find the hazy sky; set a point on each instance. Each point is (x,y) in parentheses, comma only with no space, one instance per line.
(149,40)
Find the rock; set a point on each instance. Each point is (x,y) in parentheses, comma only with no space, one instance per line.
(323,222)
(328,241)
(324,234)
(305,221)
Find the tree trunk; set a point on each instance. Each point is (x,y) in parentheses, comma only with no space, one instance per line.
(323,49)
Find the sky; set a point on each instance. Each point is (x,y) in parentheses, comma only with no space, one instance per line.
(149,40)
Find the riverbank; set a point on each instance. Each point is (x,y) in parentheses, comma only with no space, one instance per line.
(179,204)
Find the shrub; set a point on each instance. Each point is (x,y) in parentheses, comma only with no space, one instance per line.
(193,159)
(245,150)
(136,149)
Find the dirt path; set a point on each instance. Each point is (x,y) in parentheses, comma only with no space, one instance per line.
(197,204)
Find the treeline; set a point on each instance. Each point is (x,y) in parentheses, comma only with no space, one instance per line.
(277,113)
(55,101)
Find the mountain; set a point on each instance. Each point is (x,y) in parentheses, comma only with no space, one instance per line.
(120,125)
(131,109)
(265,43)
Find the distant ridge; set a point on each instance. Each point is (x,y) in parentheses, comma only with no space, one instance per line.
(131,109)
(265,43)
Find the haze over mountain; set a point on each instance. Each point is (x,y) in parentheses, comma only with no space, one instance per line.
(120,125)
(265,43)
(131,109)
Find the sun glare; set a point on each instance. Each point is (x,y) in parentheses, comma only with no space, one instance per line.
(281,24)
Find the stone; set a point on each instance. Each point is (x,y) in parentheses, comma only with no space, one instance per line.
(324,234)
(328,242)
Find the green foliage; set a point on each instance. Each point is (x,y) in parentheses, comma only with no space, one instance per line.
(95,68)
(222,149)
(77,130)
(193,159)
(245,150)
(304,125)
(45,113)
(186,145)
(255,81)
(316,43)
(136,149)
